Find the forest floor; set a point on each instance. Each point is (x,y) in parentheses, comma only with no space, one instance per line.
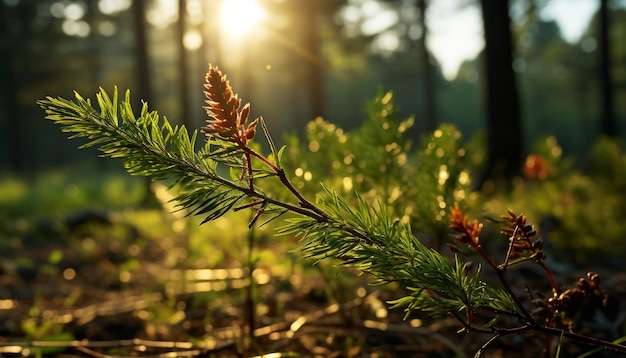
(124,297)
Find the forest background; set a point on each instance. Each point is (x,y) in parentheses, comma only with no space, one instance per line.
(296,60)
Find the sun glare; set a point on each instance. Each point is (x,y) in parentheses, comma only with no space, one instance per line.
(240,17)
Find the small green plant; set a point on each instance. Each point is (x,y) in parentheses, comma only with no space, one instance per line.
(37,329)
(230,173)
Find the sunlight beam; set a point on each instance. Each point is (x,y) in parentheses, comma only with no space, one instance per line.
(239,17)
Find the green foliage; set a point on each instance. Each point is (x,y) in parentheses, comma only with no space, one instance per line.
(442,179)
(372,159)
(378,161)
(608,164)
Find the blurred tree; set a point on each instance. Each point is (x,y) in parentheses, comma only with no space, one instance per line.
(308,18)
(462,99)
(51,47)
(12,33)
(604,75)
(300,28)
(392,36)
(427,83)
(560,81)
(183,97)
(427,70)
(504,134)
(608,118)
(546,69)
(142,65)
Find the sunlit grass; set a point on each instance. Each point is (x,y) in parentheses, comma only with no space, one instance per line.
(59,191)
(53,197)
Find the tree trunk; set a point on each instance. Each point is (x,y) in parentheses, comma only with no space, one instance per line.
(504,132)
(9,108)
(142,68)
(142,63)
(309,17)
(608,117)
(427,70)
(183,99)
(9,102)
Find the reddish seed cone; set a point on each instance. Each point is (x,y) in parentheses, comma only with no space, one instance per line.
(225,120)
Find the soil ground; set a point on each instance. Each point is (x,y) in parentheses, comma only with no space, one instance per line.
(126,300)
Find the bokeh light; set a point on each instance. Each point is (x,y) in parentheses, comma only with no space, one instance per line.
(112,7)
(192,40)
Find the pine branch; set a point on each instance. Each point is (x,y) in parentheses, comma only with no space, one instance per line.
(148,146)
